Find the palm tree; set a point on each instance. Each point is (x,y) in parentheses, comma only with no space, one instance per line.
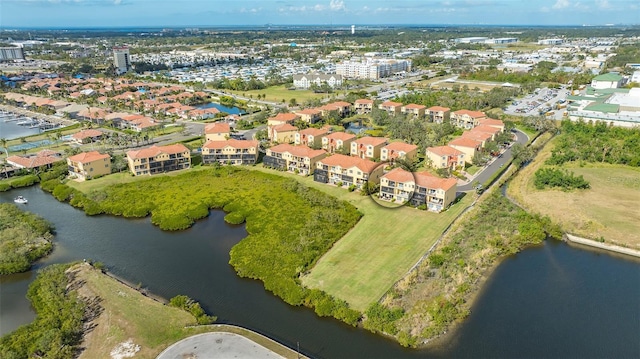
(3,141)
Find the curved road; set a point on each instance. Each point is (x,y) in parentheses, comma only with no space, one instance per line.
(486,173)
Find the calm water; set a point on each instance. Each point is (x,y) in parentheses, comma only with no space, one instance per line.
(549,301)
(229,110)
(9,130)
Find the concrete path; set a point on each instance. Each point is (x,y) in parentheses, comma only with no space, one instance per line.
(217,345)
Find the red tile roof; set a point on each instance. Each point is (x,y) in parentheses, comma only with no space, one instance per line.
(286,117)
(481,136)
(343,136)
(487,129)
(438,109)
(491,122)
(422,179)
(285,127)
(391,104)
(345,161)
(86,134)
(400,146)
(233,143)
(472,114)
(217,127)
(465,142)
(298,151)
(444,151)
(42,158)
(87,157)
(364,101)
(373,141)
(157,150)
(309,111)
(414,106)
(313,131)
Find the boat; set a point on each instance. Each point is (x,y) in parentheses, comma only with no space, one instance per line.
(20,200)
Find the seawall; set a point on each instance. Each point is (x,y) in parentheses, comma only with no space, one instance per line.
(607,247)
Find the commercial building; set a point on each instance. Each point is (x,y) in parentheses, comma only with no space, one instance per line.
(420,188)
(121,59)
(606,81)
(159,159)
(550,42)
(234,152)
(88,165)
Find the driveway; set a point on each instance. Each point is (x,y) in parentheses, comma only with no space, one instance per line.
(494,166)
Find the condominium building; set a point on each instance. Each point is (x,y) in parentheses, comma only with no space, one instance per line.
(363,106)
(368,147)
(284,133)
(311,137)
(296,159)
(11,53)
(466,119)
(469,146)
(282,118)
(347,170)
(445,157)
(438,114)
(337,142)
(310,115)
(159,159)
(87,165)
(121,59)
(419,188)
(413,110)
(392,108)
(343,109)
(305,81)
(217,131)
(398,150)
(234,152)
(372,68)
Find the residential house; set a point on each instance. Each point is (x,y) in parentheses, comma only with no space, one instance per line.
(467,119)
(343,109)
(468,146)
(494,131)
(217,131)
(438,114)
(368,147)
(482,137)
(445,157)
(311,137)
(346,170)
(492,122)
(310,115)
(88,165)
(392,108)
(138,123)
(363,106)
(159,159)
(419,188)
(398,150)
(297,159)
(284,133)
(282,118)
(203,113)
(86,136)
(235,152)
(42,159)
(338,141)
(413,110)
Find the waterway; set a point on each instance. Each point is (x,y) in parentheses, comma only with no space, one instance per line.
(11,130)
(222,108)
(552,301)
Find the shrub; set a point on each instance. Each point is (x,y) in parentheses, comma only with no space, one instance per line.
(382,319)
(352,188)
(185,303)
(554,177)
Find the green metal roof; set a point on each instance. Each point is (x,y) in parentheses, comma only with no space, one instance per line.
(608,77)
(603,107)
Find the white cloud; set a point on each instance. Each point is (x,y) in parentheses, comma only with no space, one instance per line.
(561,4)
(337,5)
(603,4)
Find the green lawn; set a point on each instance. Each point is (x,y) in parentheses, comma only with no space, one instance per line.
(378,251)
(473,169)
(278,93)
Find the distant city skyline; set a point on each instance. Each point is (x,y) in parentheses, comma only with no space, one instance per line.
(169,13)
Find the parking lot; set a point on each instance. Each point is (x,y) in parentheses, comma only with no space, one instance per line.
(545,101)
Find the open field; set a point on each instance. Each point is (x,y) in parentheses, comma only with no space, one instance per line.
(280,92)
(378,251)
(609,209)
(127,314)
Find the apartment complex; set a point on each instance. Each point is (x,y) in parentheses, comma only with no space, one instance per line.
(304,81)
(398,150)
(438,114)
(159,159)
(347,170)
(413,110)
(420,188)
(363,106)
(297,159)
(338,142)
(466,119)
(311,137)
(372,68)
(217,131)
(88,165)
(284,133)
(235,152)
(390,107)
(445,157)
(368,147)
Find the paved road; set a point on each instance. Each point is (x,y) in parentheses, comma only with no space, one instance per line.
(521,138)
(217,345)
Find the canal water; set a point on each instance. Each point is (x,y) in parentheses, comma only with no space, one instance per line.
(11,130)
(552,301)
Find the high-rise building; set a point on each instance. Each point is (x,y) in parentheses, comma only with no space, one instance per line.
(372,68)
(121,59)
(11,53)
(353,29)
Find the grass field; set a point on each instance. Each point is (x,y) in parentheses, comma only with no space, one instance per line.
(609,209)
(127,314)
(378,251)
(278,93)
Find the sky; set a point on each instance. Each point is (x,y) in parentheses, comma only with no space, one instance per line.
(170,13)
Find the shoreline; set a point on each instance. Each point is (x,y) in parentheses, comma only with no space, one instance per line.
(573,239)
